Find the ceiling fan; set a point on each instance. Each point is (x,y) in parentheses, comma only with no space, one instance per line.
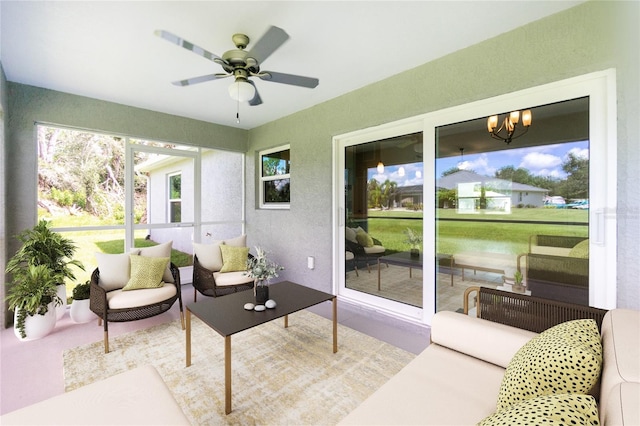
(242,64)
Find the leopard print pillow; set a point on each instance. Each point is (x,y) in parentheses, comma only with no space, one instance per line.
(564,409)
(566,358)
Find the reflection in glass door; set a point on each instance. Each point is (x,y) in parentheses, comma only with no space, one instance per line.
(517,211)
(383,198)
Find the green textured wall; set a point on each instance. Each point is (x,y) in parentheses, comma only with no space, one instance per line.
(591,37)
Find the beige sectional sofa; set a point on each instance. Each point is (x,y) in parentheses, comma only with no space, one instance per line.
(456,380)
(135,397)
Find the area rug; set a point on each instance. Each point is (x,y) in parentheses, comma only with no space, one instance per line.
(279,376)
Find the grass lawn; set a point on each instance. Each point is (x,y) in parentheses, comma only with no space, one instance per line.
(482,232)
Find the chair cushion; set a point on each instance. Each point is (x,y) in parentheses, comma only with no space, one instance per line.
(375,249)
(119,299)
(146,272)
(562,409)
(566,358)
(210,256)
(231,278)
(234,258)
(160,250)
(350,234)
(114,269)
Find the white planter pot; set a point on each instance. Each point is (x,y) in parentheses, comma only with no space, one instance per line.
(36,326)
(80,312)
(62,294)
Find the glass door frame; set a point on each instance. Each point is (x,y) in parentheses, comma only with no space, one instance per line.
(599,86)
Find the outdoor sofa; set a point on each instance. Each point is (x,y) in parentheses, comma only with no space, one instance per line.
(135,397)
(457,379)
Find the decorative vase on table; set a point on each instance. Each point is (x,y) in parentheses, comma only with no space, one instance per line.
(261,292)
(261,270)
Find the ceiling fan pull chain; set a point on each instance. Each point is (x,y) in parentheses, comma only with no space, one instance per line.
(238,112)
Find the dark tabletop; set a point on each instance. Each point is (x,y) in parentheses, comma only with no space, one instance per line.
(227,316)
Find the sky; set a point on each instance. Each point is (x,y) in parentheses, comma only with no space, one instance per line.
(543,160)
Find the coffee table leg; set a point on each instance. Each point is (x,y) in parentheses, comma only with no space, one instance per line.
(227,375)
(286,321)
(188,334)
(334,302)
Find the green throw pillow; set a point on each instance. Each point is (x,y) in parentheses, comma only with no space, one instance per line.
(364,239)
(234,258)
(563,409)
(146,272)
(566,358)
(580,250)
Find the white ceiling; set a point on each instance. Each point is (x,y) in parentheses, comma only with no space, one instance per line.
(108,50)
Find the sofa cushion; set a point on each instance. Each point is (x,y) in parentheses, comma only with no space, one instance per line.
(486,340)
(621,407)
(114,269)
(350,234)
(563,409)
(621,347)
(146,272)
(563,359)
(118,299)
(439,387)
(234,258)
(160,250)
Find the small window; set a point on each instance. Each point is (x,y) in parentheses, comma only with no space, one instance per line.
(175,198)
(275,178)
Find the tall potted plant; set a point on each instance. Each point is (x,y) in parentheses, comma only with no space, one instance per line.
(42,246)
(33,298)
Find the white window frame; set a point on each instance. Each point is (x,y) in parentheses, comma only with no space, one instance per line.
(262,179)
(173,200)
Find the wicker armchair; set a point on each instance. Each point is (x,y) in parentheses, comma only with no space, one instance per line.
(99,304)
(204,281)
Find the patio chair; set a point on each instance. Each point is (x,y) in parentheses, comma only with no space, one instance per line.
(113,303)
(367,252)
(214,283)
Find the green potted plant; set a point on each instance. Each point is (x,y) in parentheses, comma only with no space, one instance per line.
(80,312)
(517,282)
(33,298)
(42,246)
(415,241)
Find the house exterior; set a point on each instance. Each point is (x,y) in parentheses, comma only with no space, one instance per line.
(500,195)
(590,37)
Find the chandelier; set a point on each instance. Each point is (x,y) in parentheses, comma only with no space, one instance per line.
(509,126)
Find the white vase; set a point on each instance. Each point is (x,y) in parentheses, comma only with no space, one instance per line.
(62,294)
(80,312)
(36,326)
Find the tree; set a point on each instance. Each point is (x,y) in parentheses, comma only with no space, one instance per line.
(375,194)
(576,186)
(388,189)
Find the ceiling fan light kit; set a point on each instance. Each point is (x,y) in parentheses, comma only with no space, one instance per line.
(242,64)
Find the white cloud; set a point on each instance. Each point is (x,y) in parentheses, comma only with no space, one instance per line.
(537,161)
(579,153)
(479,165)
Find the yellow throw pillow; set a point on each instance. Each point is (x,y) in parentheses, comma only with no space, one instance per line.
(563,409)
(146,272)
(566,358)
(363,238)
(234,258)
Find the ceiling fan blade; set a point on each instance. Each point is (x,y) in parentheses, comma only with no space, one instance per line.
(201,79)
(172,38)
(294,80)
(268,43)
(257,100)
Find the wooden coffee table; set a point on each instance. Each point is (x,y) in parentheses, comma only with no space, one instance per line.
(227,316)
